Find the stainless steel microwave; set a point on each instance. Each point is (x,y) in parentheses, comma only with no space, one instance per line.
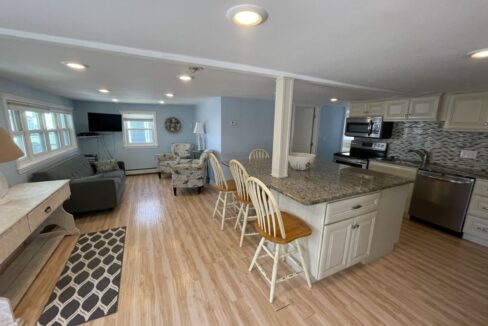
(368,127)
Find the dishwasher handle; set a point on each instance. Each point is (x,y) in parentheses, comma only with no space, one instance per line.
(446,177)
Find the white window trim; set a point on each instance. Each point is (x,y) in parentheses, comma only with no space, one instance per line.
(25,165)
(155,130)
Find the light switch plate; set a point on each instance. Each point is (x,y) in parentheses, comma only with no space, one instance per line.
(468,154)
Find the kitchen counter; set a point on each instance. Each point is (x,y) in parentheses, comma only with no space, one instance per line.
(438,168)
(323,182)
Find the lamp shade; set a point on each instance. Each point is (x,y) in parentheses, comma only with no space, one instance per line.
(198,128)
(8,150)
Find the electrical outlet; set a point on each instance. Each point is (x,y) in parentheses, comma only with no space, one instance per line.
(468,154)
(233,123)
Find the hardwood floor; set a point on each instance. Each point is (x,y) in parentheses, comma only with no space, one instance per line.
(180,269)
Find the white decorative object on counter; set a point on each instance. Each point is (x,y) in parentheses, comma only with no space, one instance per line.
(301,161)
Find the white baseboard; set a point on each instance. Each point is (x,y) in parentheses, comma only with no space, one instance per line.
(141,171)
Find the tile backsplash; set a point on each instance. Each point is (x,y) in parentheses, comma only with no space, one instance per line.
(444,146)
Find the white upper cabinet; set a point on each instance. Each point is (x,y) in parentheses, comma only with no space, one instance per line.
(423,108)
(397,110)
(468,112)
(415,109)
(357,109)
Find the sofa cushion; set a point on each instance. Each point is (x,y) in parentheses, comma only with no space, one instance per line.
(72,168)
(113,174)
(106,165)
(84,179)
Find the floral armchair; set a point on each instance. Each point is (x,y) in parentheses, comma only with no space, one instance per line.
(190,173)
(179,152)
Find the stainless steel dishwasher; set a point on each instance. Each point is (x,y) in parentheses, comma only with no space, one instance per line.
(441,199)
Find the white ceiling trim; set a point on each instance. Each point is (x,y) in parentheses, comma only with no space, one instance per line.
(178,58)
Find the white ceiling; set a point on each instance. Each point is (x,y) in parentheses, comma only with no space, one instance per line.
(408,47)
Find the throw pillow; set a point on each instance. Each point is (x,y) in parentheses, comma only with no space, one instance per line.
(106,166)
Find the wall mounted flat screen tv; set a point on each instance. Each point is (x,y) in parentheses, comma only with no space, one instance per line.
(104,122)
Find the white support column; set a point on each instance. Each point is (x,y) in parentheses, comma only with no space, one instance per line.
(282,126)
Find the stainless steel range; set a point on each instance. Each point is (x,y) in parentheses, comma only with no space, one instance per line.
(360,152)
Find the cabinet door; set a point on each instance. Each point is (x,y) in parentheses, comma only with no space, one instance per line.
(423,108)
(375,109)
(362,234)
(335,245)
(396,110)
(468,112)
(357,109)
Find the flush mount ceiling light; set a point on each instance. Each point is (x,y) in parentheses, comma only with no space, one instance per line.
(115,100)
(185,78)
(170,95)
(247,15)
(75,65)
(479,54)
(161,102)
(104,90)
(334,99)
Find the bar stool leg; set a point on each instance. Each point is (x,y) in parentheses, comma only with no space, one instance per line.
(275,271)
(223,212)
(256,255)
(238,216)
(216,204)
(244,225)
(304,266)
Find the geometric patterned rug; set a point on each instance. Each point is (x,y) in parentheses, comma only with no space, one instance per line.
(88,287)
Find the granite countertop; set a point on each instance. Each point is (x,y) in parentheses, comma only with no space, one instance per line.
(323,182)
(438,168)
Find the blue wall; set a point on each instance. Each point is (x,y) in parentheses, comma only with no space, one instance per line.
(210,113)
(14,88)
(136,158)
(330,131)
(254,128)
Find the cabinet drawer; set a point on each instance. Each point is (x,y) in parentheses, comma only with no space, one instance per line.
(13,237)
(476,226)
(481,187)
(479,206)
(348,208)
(41,212)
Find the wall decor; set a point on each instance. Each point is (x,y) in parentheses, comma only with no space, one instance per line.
(172,124)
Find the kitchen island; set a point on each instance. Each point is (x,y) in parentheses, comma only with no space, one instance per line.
(355,214)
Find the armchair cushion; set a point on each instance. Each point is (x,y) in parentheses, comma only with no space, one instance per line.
(191,173)
(180,152)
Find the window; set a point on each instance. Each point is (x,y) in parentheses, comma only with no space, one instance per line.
(40,132)
(139,129)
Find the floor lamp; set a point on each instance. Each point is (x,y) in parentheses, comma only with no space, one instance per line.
(199,132)
(8,152)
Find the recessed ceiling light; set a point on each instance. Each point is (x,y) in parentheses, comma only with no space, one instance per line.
(334,99)
(161,102)
(185,77)
(115,100)
(75,65)
(104,90)
(247,15)
(479,54)
(169,95)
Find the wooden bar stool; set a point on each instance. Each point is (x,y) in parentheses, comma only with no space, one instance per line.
(258,154)
(226,188)
(282,229)
(240,177)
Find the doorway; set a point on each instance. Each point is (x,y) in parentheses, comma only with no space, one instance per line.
(304,129)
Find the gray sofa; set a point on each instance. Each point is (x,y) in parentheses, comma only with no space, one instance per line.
(89,191)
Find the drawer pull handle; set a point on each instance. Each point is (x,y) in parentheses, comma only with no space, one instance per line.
(48,210)
(357,207)
(484,208)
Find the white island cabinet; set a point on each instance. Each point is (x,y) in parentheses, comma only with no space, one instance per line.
(355,214)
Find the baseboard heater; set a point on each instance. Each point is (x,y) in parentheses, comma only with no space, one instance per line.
(141,171)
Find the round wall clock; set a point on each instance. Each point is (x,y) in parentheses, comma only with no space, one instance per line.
(172,124)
